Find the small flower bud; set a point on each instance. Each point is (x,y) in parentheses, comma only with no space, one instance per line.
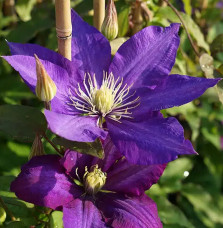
(94,180)
(109,27)
(45,87)
(37,147)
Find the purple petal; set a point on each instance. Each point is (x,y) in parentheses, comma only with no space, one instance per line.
(64,78)
(42,181)
(147,57)
(132,212)
(26,66)
(82,214)
(90,47)
(132,179)
(73,160)
(177,90)
(73,127)
(153,141)
(42,52)
(111,155)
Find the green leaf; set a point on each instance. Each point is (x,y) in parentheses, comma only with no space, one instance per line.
(94,148)
(21,122)
(205,205)
(27,30)
(217,44)
(115,44)
(2,215)
(24,8)
(170,214)
(16,224)
(175,172)
(56,219)
(187,6)
(123,20)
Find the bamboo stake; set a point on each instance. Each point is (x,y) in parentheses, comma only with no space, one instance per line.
(63,27)
(99,13)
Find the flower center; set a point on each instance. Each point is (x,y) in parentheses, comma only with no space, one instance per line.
(94,180)
(103,99)
(112,99)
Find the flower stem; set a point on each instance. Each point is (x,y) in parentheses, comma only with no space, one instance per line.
(9,7)
(63,27)
(137,17)
(185,27)
(51,143)
(99,13)
(7,210)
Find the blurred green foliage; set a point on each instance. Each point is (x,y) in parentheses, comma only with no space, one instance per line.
(189,194)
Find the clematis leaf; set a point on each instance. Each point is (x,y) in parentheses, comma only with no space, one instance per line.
(170,214)
(21,122)
(208,207)
(20,209)
(2,215)
(24,8)
(95,148)
(217,44)
(175,172)
(123,20)
(56,219)
(16,224)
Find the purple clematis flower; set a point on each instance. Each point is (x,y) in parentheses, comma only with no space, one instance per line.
(122,96)
(91,192)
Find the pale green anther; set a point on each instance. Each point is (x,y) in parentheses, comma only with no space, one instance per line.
(45,86)
(104,99)
(109,27)
(94,180)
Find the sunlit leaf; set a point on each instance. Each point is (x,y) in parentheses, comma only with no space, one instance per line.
(95,148)
(21,122)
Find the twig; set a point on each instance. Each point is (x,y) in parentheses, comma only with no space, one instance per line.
(7,210)
(185,27)
(9,7)
(51,143)
(63,27)
(137,17)
(99,13)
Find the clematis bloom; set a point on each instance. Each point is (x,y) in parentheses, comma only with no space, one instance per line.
(122,96)
(91,192)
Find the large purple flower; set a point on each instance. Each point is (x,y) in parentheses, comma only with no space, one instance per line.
(108,193)
(121,96)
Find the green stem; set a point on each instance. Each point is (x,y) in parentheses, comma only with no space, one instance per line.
(7,210)
(185,27)
(52,144)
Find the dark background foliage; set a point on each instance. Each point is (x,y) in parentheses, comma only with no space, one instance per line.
(189,194)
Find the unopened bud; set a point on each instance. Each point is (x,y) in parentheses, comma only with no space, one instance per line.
(37,147)
(109,27)
(45,87)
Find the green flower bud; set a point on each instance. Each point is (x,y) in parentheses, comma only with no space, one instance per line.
(94,180)
(109,27)
(37,147)
(45,87)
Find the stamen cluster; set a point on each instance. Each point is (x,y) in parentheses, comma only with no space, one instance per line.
(112,99)
(94,180)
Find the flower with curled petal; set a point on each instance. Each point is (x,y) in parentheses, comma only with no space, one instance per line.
(122,96)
